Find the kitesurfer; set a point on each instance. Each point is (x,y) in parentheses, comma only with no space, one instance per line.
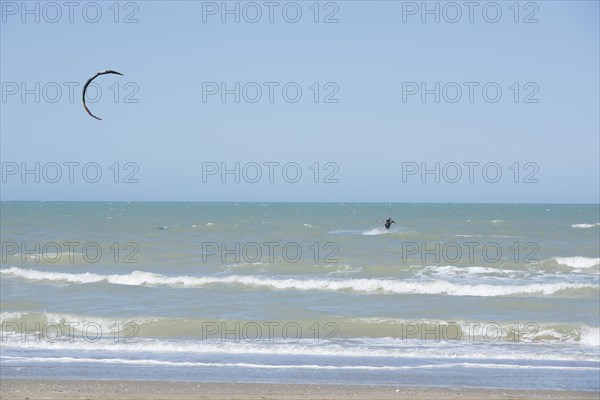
(389,222)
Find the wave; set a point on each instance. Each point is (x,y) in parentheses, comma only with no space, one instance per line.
(334,328)
(14,359)
(382,286)
(584,226)
(389,348)
(590,336)
(369,232)
(450,271)
(488,236)
(344,269)
(68,322)
(578,261)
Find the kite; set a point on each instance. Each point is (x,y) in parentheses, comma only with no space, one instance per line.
(109,71)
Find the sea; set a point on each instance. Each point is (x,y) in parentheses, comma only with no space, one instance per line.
(452,295)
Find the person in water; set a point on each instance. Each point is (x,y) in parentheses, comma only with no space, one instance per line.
(388,223)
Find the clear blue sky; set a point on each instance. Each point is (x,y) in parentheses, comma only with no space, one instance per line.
(372,55)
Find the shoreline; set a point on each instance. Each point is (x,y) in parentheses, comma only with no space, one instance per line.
(110,389)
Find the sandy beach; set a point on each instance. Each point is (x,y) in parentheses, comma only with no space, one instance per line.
(71,389)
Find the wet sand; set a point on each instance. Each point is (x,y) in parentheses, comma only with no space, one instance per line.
(107,390)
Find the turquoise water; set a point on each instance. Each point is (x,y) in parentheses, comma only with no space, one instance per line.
(452,295)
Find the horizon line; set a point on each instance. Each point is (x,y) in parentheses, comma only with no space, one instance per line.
(283,202)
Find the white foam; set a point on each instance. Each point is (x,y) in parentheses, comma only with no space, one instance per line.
(584,226)
(377,231)
(578,261)
(344,269)
(384,286)
(469,331)
(452,271)
(385,347)
(590,336)
(76,321)
(10,316)
(284,366)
